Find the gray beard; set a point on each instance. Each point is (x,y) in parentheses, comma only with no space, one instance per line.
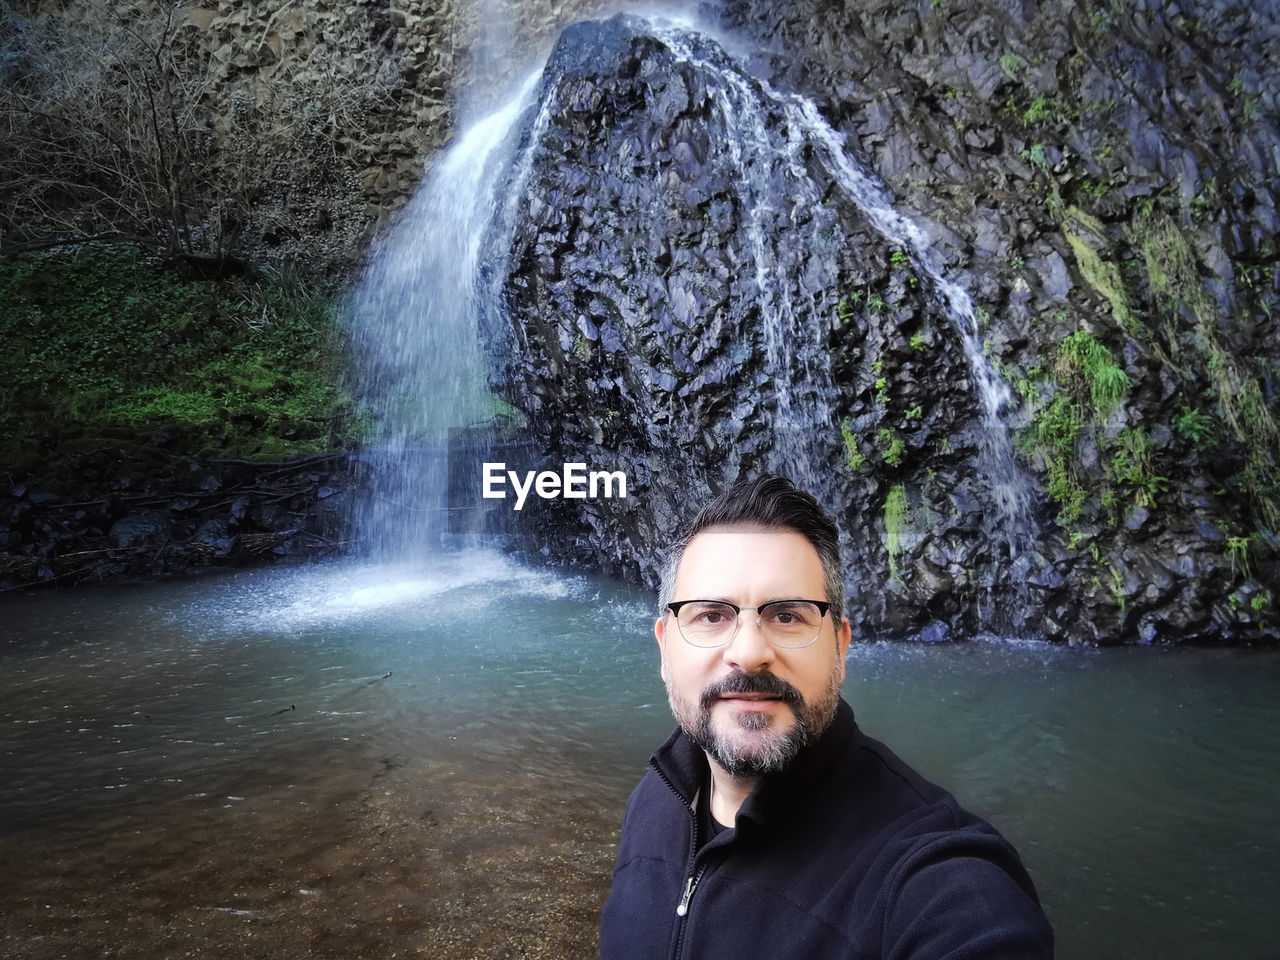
(765,753)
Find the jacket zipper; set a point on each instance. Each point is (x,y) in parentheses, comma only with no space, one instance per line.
(682,908)
(694,879)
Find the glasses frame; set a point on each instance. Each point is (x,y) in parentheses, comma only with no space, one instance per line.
(824,606)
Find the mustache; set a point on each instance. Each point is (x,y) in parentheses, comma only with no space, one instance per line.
(764,684)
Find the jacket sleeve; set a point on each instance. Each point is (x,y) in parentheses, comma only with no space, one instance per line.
(960,906)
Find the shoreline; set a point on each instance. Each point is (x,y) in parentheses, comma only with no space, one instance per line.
(388,860)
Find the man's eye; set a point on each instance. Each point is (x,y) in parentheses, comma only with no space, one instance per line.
(792,615)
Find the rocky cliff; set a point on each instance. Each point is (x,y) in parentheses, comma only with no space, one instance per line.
(998,279)
(266,134)
(1099,179)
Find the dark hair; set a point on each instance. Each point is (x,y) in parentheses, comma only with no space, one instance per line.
(767,501)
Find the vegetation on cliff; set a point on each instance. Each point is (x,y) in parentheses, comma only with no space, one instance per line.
(108,344)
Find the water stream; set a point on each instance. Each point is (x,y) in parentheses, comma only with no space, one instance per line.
(747,102)
(422,372)
(437,277)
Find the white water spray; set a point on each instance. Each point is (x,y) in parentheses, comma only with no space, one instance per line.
(417,315)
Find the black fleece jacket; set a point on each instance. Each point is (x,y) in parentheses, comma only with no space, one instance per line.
(848,854)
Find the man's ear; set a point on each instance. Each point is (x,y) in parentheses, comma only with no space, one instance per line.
(843,636)
(660,634)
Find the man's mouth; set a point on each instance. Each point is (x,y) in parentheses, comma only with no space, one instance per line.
(746,689)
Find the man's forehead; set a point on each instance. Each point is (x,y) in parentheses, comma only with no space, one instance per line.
(749,554)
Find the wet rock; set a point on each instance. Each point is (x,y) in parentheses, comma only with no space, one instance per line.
(140,528)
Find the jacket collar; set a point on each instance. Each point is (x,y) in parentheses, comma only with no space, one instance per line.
(683,766)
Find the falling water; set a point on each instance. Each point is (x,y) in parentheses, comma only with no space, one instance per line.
(765,157)
(747,103)
(1009,483)
(417,311)
(421,303)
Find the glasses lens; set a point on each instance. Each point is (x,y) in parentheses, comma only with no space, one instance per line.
(790,623)
(707,623)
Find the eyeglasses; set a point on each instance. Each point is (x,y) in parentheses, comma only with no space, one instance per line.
(784,623)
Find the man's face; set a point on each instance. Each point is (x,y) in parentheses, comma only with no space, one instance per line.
(749,704)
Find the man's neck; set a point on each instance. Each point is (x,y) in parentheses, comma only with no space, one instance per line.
(728,793)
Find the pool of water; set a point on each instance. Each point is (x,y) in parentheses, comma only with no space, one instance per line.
(435,760)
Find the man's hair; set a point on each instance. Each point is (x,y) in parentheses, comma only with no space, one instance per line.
(773,502)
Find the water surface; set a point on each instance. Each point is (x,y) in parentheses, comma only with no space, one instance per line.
(433,762)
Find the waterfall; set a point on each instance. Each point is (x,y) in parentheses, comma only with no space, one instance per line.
(416,315)
(746,102)
(767,162)
(1009,484)
(435,283)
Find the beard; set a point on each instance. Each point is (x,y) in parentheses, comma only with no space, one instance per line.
(754,745)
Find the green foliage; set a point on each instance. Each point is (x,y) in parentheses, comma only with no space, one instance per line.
(918,341)
(1196,426)
(844,311)
(853,457)
(107,339)
(916,412)
(1084,356)
(1036,156)
(1044,110)
(1116,583)
(1238,552)
(892,446)
(896,518)
(1086,237)
(1012,65)
(1130,467)
(1053,433)
(1087,385)
(1176,291)
(882,390)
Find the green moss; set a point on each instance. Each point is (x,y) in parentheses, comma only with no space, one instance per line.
(118,344)
(853,456)
(1086,236)
(1177,292)
(896,518)
(892,446)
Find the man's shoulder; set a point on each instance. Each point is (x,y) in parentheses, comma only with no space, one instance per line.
(906,809)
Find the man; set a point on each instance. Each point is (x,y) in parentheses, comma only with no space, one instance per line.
(769,825)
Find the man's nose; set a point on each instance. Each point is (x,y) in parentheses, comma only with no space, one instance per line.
(749,651)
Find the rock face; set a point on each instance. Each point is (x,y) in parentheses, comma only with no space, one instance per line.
(291,129)
(693,297)
(145,516)
(694,293)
